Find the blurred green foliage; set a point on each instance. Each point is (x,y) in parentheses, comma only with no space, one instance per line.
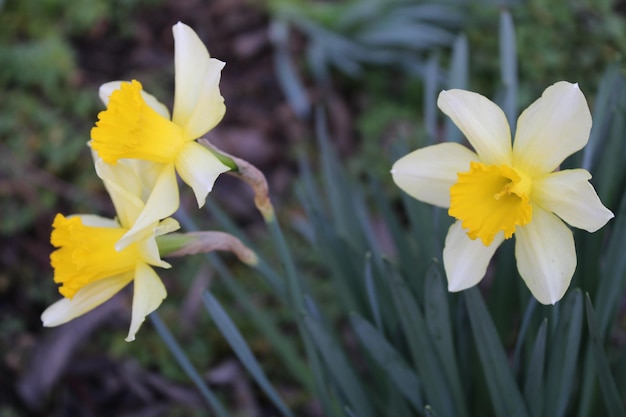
(47,108)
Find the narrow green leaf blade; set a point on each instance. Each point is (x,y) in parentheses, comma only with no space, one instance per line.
(563,360)
(241,349)
(534,384)
(339,368)
(612,399)
(437,317)
(422,350)
(506,398)
(390,361)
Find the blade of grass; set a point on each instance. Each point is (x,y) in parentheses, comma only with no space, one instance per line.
(506,398)
(185,363)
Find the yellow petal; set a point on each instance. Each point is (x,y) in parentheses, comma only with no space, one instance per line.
(198,103)
(148,294)
(569,195)
(481,121)
(546,256)
(86,299)
(428,173)
(199,168)
(552,128)
(465,260)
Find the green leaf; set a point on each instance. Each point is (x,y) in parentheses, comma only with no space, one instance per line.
(508,67)
(421,347)
(612,399)
(534,384)
(241,349)
(339,368)
(390,361)
(185,363)
(506,398)
(563,359)
(437,316)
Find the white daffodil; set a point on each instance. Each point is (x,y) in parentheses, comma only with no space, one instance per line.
(89,267)
(136,126)
(500,189)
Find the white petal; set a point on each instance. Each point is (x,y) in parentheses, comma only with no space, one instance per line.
(466,260)
(552,128)
(162,202)
(428,173)
(148,294)
(546,256)
(569,195)
(199,168)
(106,89)
(86,299)
(481,121)
(198,104)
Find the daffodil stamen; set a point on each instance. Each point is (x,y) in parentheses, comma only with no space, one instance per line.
(489,199)
(86,254)
(130,128)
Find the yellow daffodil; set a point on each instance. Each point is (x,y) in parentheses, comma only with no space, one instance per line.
(500,189)
(136,126)
(87,263)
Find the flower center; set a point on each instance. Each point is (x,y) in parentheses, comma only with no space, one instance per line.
(130,128)
(489,199)
(86,254)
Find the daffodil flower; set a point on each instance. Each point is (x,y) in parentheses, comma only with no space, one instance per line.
(500,189)
(89,267)
(136,126)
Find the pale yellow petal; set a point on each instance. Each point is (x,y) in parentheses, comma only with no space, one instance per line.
(465,260)
(546,256)
(149,250)
(149,292)
(481,121)
(168,225)
(107,88)
(552,128)
(199,169)
(198,103)
(569,195)
(124,188)
(428,173)
(93,220)
(162,202)
(86,299)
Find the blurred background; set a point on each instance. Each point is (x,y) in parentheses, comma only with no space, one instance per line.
(369,64)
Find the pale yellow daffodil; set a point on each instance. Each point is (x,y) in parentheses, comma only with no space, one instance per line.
(136,126)
(87,263)
(501,189)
